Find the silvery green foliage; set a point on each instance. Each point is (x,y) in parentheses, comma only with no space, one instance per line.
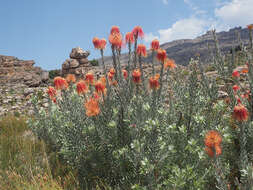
(144,139)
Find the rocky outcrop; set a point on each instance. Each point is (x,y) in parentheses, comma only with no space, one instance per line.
(20,79)
(78,64)
(13,70)
(183,50)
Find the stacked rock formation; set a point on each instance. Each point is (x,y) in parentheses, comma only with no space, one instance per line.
(78,64)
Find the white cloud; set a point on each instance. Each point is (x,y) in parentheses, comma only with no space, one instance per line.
(165,2)
(182,29)
(236,12)
(229,13)
(149,37)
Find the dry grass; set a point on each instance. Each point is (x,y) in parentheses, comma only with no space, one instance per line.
(24,160)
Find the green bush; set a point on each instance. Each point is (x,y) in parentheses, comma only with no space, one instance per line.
(132,136)
(54,73)
(94,62)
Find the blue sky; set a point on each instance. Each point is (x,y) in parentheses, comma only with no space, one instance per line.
(47,30)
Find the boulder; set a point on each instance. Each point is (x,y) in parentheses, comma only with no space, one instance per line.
(70,63)
(73,63)
(44,76)
(79,53)
(83,61)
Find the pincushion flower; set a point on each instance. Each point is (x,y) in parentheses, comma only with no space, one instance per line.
(250,26)
(236,88)
(115,29)
(169,63)
(235,73)
(161,55)
(81,87)
(240,113)
(155,45)
(60,83)
(100,87)
(138,32)
(89,78)
(213,138)
(71,78)
(115,40)
(51,92)
(92,107)
(129,37)
(212,142)
(102,43)
(141,50)
(103,80)
(96,42)
(125,74)
(112,71)
(136,75)
(245,70)
(154,83)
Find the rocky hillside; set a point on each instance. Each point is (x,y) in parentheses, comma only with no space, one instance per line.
(183,50)
(18,80)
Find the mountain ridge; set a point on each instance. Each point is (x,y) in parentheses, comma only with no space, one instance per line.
(184,49)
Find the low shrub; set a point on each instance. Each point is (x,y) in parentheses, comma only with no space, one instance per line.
(172,131)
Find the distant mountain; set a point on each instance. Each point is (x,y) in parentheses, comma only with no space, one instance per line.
(183,50)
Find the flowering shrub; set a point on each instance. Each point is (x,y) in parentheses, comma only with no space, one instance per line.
(170,130)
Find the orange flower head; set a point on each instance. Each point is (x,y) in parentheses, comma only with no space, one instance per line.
(136,75)
(235,74)
(236,88)
(250,26)
(212,139)
(51,91)
(161,55)
(245,70)
(141,50)
(138,32)
(96,42)
(103,80)
(71,78)
(154,83)
(240,113)
(169,63)
(89,77)
(81,87)
(102,43)
(110,76)
(125,74)
(112,71)
(155,45)
(100,87)
(115,29)
(116,40)
(60,83)
(129,37)
(92,107)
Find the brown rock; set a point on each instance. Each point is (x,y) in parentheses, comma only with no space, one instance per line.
(65,65)
(83,61)
(73,63)
(78,53)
